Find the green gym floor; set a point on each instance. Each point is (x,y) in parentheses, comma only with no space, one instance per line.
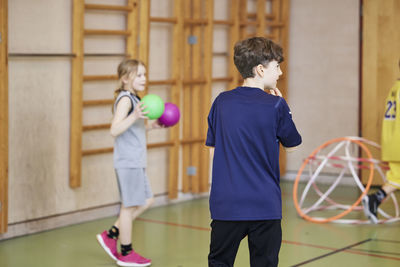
(178,236)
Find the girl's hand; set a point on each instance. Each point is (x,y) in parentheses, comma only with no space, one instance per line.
(275,92)
(139,112)
(156,125)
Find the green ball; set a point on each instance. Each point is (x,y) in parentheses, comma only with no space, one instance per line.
(155,106)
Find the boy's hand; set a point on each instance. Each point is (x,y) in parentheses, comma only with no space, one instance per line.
(275,92)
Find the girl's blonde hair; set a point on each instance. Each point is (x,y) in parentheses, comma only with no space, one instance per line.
(126,68)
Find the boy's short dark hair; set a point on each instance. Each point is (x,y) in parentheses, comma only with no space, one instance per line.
(253,51)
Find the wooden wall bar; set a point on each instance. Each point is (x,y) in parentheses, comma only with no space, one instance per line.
(206,93)
(133,27)
(3,116)
(109,7)
(186,118)
(144,33)
(243,18)
(275,17)
(76,94)
(260,17)
(198,34)
(77,77)
(175,96)
(234,34)
(196,99)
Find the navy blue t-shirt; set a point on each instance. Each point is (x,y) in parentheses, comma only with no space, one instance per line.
(245,125)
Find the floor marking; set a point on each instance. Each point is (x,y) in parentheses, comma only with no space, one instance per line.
(351,251)
(388,241)
(333,252)
(175,224)
(375,251)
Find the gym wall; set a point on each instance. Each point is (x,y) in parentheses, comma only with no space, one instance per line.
(323,94)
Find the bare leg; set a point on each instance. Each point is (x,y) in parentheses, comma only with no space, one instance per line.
(137,211)
(124,223)
(141,209)
(388,189)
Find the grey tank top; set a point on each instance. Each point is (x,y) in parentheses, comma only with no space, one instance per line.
(130,146)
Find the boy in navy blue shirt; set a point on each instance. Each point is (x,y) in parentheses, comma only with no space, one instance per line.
(245,126)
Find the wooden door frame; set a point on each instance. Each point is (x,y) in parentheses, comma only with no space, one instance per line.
(3,117)
(379,67)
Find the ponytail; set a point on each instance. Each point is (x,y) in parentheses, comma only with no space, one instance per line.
(125,68)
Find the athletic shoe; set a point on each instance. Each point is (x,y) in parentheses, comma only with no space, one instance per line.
(370,205)
(108,244)
(132,259)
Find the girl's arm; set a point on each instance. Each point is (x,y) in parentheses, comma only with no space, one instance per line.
(122,121)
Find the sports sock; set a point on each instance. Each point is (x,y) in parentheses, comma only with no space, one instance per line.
(126,249)
(380,195)
(113,232)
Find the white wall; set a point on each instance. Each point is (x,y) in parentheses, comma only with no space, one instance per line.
(323,72)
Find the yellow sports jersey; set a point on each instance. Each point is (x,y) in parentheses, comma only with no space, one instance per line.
(391,126)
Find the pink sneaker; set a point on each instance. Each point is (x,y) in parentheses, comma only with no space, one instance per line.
(133,259)
(108,244)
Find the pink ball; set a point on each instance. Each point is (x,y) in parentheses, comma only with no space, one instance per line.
(170,116)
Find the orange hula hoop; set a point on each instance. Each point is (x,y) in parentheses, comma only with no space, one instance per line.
(344,213)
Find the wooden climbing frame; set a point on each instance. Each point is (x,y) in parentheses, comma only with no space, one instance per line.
(191,82)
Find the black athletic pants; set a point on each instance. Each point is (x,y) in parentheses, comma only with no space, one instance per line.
(264,240)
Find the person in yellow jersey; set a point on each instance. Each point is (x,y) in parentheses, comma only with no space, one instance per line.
(390,143)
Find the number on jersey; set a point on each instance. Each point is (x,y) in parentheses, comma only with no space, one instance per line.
(390,113)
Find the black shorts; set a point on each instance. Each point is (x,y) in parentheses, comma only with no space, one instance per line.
(264,238)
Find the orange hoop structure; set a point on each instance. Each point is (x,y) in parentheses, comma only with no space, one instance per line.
(343,140)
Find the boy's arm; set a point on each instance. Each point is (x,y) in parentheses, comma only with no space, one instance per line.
(277,92)
(287,133)
(210,140)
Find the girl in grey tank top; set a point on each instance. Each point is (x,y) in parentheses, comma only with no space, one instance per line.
(129,129)
(130,146)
